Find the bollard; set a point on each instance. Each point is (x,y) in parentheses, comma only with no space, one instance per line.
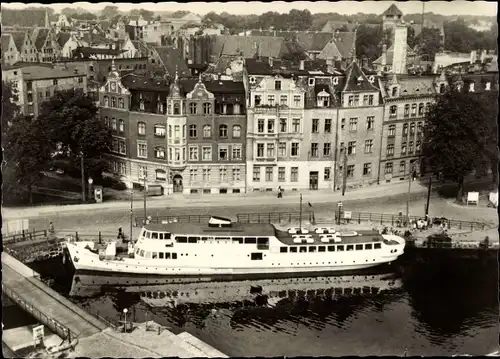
(392,221)
(76,236)
(100,238)
(359,218)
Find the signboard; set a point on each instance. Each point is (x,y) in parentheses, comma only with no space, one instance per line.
(38,333)
(98,194)
(472,198)
(339,204)
(347,214)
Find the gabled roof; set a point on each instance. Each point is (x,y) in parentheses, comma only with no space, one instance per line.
(38,72)
(330,51)
(308,40)
(5,41)
(356,80)
(18,37)
(172,60)
(86,52)
(333,25)
(410,85)
(41,38)
(393,10)
(63,37)
(248,46)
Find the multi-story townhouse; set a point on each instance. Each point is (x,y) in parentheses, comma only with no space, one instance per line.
(37,83)
(11,47)
(276,152)
(46,45)
(185,136)
(68,43)
(29,52)
(407,99)
(359,128)
(320,128)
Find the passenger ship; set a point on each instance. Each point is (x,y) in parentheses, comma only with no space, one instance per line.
(225,248)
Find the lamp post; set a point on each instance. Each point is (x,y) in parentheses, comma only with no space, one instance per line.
(428,196)
(90,187)
(83,176)
(410,179)
(145,194)
(125,311)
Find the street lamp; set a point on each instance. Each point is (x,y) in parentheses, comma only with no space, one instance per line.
(125,311)
(90,187)
(410,179)
(131,210)
(83,176)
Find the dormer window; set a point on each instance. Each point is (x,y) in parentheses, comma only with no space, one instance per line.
(442,87)
(394,91)
(488,86)
(471,87)
(251,80)
(360,80)
(207,108)
(323,99)
(312,81)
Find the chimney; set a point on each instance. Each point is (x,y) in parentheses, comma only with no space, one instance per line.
(400,50)
(473,57)
(330,65)
(384,57)
(301,67)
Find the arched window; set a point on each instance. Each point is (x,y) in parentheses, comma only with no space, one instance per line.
(392,131)
(113,101)
(177,108)
(207,108)
(193,108)
(113,124)
(442,87)
(141,128)
(192,131)
(207,131)
(413,109)
(223,131)
(160,152)
(412,129)
(405,130)
(106,101)
(236,131)
(393,111)
(106,121)
(121,125)
(121,103)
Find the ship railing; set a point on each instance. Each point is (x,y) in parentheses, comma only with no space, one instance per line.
(141,221)
(276,217)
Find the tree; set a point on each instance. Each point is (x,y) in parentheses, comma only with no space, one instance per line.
(299,20)
(71,123)
(456,136)
(9,107)
(110,11)
(370,39)
(429,42)
(410,38)
(26,154)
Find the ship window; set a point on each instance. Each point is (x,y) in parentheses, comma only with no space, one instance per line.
(293,249)
(148,234)
(340,248)
(167,236)
(204,238)
(174,255)
(155,255)
(321,249)
(261,240)
(148,254)
(167,255)
(331,248)
(238,240)
(377,246)
(181,239)
(154,235)
(368,246)
(222,238)
(250,240)
(142,252)
(302,249)
(283,249)
(160,235)
(312,249)
(359,247)
(143,233)
(160,255)
(349,247)
(256,256)
(193,240)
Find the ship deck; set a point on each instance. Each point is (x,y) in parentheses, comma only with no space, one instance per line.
(364,237)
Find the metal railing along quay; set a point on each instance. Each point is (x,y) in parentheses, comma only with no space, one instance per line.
(24,236)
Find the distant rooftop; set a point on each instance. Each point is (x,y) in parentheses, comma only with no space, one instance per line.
(37,72)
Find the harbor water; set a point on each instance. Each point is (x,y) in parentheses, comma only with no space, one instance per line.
(421,306)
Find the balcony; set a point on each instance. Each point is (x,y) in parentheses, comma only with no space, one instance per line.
(265,160)
(178,165)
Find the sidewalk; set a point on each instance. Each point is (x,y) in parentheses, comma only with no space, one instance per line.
(229,200)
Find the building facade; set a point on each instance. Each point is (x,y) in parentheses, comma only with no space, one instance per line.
(35,84)
(407,100)
(182,136)
(276,152)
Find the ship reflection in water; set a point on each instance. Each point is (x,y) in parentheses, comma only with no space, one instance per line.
(426,310)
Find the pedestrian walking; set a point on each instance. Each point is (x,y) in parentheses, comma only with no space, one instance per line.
(280,193)
(120,233)
(51,228)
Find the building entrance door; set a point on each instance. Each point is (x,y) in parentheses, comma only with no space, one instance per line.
(313,180)
(178,184)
